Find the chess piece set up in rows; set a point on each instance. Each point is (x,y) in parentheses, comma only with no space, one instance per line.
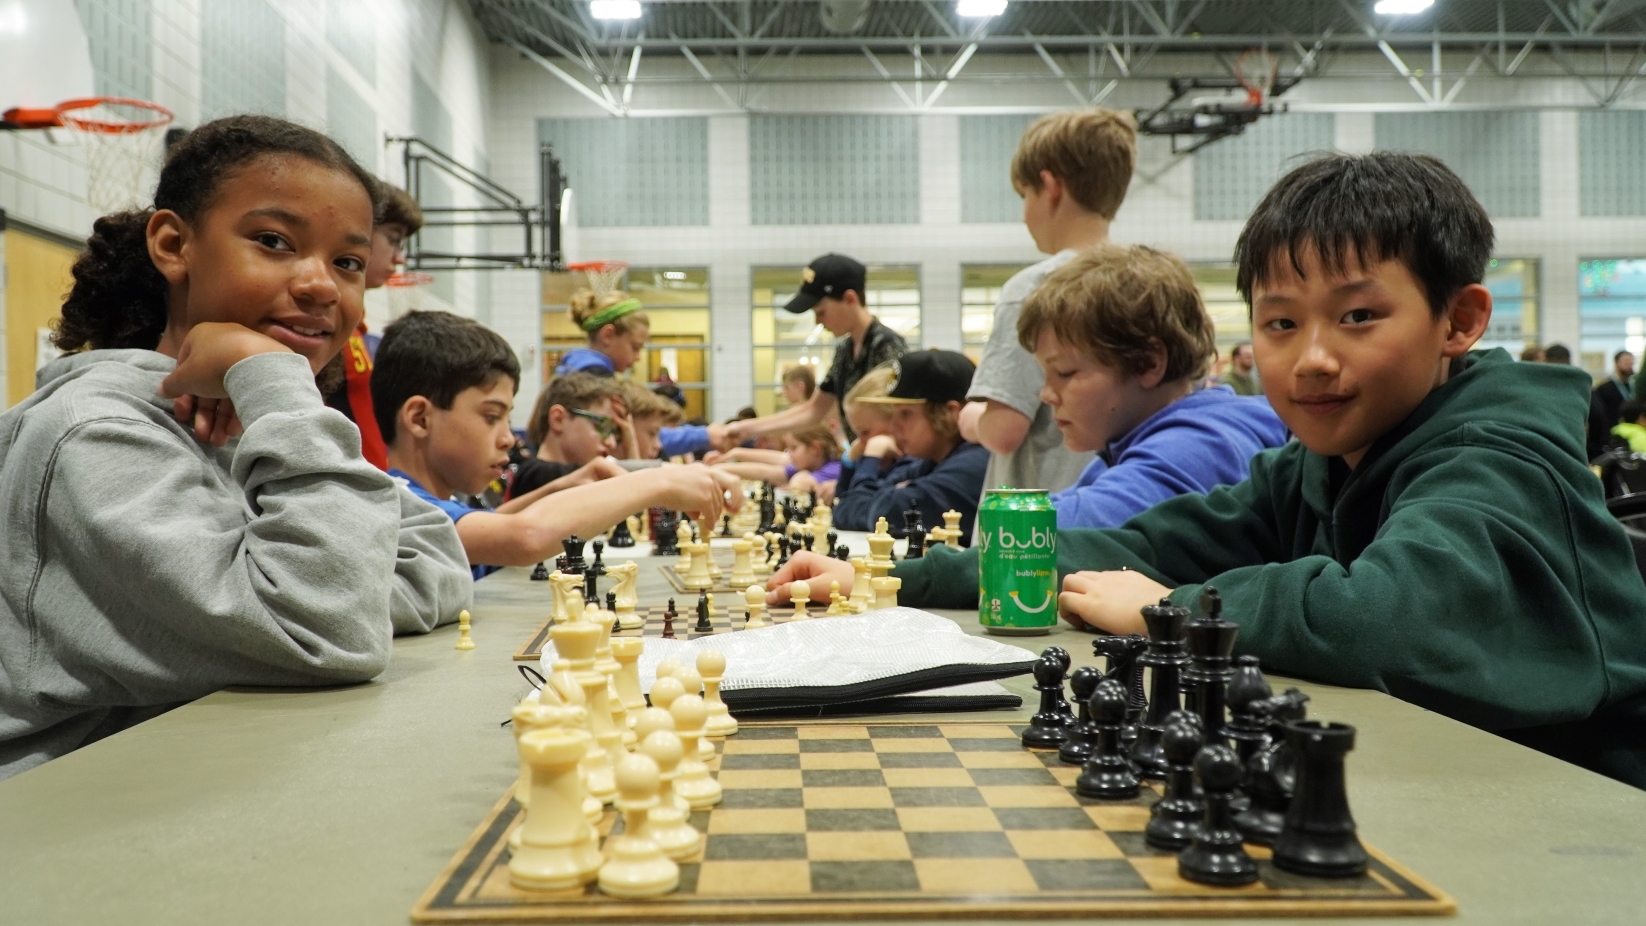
(587,738)
(1239,763)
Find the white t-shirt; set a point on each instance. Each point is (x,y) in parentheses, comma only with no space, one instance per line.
(1008,374)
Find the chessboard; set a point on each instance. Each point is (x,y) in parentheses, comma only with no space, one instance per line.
(722,583)
(685,619)
(904,820)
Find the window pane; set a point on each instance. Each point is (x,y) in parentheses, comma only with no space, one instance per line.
(1514,286)
(1611,310)
(979,292)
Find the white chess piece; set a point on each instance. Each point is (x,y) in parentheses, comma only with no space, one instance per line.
(626,575)
(711,665)
(837,601)
(699,576)
(635,865)
(567,602)
(742,564)
(799,594)
(627,650)
(558,849)
(666,825)
(885,592)
(576,641)
(665,690)
(649,721)
(951,528)
(694,783)
(862,590)
(757,553)
(666,668)
(755,597)
(692,681)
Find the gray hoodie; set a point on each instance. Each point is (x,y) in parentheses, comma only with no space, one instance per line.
(141,568)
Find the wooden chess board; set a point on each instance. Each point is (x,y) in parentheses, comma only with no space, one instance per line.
(726,605)
(900,820)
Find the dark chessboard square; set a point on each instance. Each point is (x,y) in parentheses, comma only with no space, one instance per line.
(835,877)
(759,761)
(992,744)
(750,732)
(836,821)
(1012,776)
(919,760)
(842,778)
(1145,798)
(730,847)
(900,732)
(1086,874)
(1275,879)
(1043,818)
(688,877)
(761,798)
(1047,757)
(836,746)
(1132,845)
(937,797)
(960,845)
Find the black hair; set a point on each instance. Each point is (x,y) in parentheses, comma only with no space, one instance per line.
(435,355)
(1386,205)
(1557,353)
(1631,410)
(119,298)
(1617,356)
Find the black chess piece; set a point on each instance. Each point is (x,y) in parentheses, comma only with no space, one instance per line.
(560,563)
(620,536)
(782,550)
(703,623)
(1175,819)
(597,568)
(591,588)
(1211,642)
(668,621)
(1108,774)
(1217,855)
(1319,838)
(843,553)
(665,543)
(574,555)
(1083,735)
(811,499)
(831,540)
(1121,655)
(1271,774)
(1048,728)
(916,532)
(725,525)
(611,606)
(1064,659)
(1246,731)
(1164,655)
(540,573)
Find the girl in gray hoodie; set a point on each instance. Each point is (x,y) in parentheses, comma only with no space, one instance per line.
(182,511)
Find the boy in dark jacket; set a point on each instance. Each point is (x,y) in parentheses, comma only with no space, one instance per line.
(1434,532)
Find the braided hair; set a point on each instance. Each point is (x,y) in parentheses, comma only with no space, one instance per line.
(119,298)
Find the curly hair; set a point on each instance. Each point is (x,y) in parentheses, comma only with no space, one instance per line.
(119,298)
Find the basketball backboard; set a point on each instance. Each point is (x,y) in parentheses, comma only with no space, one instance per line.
(44,57)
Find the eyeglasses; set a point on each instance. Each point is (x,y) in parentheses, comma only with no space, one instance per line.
(603,425)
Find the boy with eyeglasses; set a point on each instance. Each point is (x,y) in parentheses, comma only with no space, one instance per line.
(443,389)
(575,428)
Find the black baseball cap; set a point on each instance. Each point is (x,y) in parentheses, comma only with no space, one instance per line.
(830,275)
(929,376)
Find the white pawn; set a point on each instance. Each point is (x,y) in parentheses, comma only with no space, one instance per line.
(837,601)
(666,825)
(693,683)
(757,553)
(755,598)
(742,565)
(626,651)
(711,665)
(558,849)
(694,783)
(649,721)
(635,865)
(666,689)
(799,594)
(885,592)
(667,667)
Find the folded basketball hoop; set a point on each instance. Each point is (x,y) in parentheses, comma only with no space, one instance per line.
(407,279)
(605,276)
(122,141)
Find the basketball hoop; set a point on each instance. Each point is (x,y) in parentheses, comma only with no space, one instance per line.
(409,278)
(122,141)
(605,276)
(1256,69)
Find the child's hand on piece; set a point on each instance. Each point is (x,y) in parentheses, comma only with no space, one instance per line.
(809,566)
(696,489)
(1112,602)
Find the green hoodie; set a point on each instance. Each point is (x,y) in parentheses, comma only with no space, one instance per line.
(1468,565)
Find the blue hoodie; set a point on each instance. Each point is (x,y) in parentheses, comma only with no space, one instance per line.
(1202,440)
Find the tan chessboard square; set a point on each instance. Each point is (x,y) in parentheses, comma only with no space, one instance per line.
(856,847)
(974,876)
(911,745)
(741,747)
(760,778)
(1027,796)
(757,820)
(1121,818)
(831,732)
(979,732)
(837,760)
(999,760)
(947,819)
(1066,775)
(927,778)
(846,798)
(1054,844)
(766,878)
(1160,871)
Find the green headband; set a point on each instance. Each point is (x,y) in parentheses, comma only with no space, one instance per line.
(610,314)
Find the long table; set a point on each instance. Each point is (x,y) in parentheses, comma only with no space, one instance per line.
(339,806)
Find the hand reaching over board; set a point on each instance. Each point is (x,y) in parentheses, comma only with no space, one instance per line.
(816,570)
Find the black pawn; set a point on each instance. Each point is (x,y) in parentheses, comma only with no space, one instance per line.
(620,535)
(1165,658)
(1271,774)
(725,525)
(560,563)
(782,550)
(666,543)
(1319,837)
(611,605)
(703,623)
(1217,855)
(1047,728)
(1108,774)
(831,540)
(1175,819)
(916,532)
(1082,739)
(1245,730)
(540,573)
(668,621)
(843,553)
(598,567)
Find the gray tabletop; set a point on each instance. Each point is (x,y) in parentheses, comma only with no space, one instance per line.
(341,805)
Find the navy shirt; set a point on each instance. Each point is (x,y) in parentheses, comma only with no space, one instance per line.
(955,484)
(454,509)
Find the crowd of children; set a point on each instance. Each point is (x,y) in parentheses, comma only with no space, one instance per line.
(1378,505)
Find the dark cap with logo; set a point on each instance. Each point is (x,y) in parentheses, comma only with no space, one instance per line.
(828,276)
(928,376)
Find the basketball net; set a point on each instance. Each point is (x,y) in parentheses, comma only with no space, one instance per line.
(604,276)
(1256,70)
(402,290)
(122,140)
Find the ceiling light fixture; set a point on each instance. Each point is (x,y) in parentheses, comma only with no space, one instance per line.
(614,9)
(980,9)
(1401,7)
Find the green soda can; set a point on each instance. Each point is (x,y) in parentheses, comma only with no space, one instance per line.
(1017,561)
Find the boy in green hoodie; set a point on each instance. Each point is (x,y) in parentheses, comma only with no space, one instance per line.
(1434,531)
